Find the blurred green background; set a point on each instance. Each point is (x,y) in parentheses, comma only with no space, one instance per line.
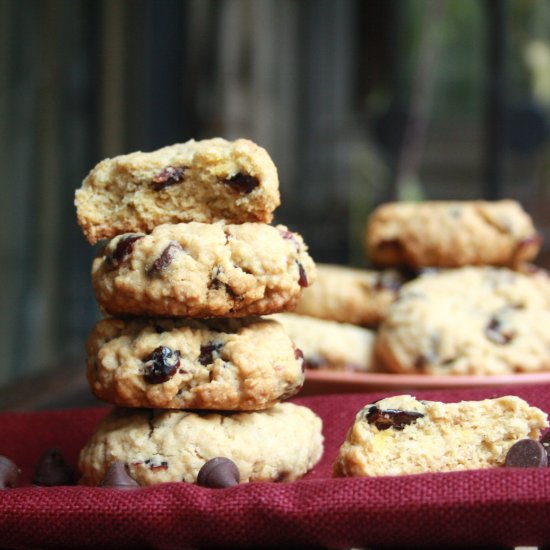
(358,102)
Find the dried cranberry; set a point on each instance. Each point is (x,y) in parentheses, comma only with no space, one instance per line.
(302,279)
(391,418)
(242,183)
(299,356)
(214,284)
(497,334)
(165,259)
(206,356)
(232,294)
(123,248)
(161,365)
(169,176)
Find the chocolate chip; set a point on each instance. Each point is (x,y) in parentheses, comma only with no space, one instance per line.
(117,477)
(165,259)
(242,183)
(497,333)
(302,279)
(52,470)
(169,176)
(526,453)
(545,442)
(391,418)
(161,365)
(9,473)
(206,356)
(123,248)
(219,473)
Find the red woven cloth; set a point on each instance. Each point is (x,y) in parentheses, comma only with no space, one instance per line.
(486,507)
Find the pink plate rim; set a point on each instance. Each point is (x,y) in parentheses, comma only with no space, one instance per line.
(324,379)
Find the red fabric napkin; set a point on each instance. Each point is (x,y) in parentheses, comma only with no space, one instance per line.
(498,507)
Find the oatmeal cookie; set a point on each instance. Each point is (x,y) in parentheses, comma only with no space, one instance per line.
(472,320)
(401,435)
(203,270)
(235,364)
(451,234)
(350,295)
(330,345)
(279,444)
(203,181)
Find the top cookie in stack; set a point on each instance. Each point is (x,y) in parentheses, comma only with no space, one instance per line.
(197,181)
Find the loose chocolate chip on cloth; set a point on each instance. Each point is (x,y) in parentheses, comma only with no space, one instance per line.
(9,473)
(527,453)
(219,473)
(117,477)
(52,470)
(498,506)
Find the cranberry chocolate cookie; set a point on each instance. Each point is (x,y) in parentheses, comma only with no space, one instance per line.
(330,345)
(204,181)
(203,270)
(158,446)
(401,435)
(348,295)
(451,234)
(472,320)
(234,364)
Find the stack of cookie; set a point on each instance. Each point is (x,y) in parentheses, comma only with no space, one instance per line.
(484,310)
(191,259)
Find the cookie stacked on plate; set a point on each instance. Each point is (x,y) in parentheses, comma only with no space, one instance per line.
(191,262)
(483,310)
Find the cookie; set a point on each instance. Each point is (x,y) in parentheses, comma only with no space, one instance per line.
(203,270)
(348,295)
(203,181)
(235,364)
(539,275)
(401,435)
(330,345)
(451,234)
(467,321)
(158,446)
